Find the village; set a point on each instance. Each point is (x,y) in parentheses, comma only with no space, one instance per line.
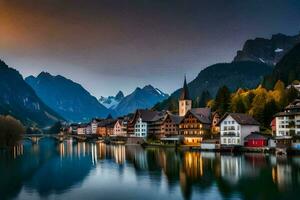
(199,128)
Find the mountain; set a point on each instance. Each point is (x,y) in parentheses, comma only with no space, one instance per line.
(112,102)
(234,75)
(268,51)
(66,97)
(18,99)
(287,69)
(146,97)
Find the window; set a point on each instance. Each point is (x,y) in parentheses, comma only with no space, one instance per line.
(229,141)
(224,140)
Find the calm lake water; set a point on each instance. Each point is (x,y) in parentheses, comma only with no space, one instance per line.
(87,171)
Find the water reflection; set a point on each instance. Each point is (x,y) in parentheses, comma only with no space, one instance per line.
(71,170)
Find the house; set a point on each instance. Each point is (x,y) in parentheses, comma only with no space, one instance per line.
(81,129)
(256,139)
(170,129)
(88,129)
(235,127)
(94,125)
(195,123)
(215,129)
(120,128)
(170,125)
(145,122)
(288,124)
(106,127)
(295,85)
(273,126)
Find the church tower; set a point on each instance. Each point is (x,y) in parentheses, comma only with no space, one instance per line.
(185,104)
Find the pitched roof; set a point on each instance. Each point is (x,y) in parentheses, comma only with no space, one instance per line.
(176,119)
(107,123)
(257,136)
(202,114)
(148,115)
(241,118)
(184,91)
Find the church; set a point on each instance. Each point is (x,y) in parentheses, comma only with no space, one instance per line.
(196,122)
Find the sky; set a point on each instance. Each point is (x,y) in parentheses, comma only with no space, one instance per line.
(112,45)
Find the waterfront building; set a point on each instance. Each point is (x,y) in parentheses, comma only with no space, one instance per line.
(194,125)
(144,122)
(273,126)
(257,140)
(120,128)
(94,125)
(81,129)
(88,129)
(215,129)
(288,124)
(235,127)
(106,127)
(170,125)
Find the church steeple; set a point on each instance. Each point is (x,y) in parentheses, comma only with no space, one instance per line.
(185,104)
(185,91)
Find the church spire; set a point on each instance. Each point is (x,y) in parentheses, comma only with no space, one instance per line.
(185,91)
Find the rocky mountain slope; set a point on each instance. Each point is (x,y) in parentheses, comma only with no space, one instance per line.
(18,99)
(66,97)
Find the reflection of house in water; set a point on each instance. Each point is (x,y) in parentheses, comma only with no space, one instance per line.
(282,176)
(119,153)
(198,171)
(137,156)
(231,168)
(286,173)
(192,164)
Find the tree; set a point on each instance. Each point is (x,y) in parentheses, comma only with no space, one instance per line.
(205,97)
(292,94)
(240,106)
(11,131)
(269,110)
(222,101)
(258,104)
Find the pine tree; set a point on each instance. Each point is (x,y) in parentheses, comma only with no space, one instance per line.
(292,94)
(205,97)
(222,101)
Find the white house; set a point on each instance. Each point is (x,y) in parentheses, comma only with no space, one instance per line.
(120,128)
(140,128)
(234,127)
(88,129)
(94,125)
(81,130)
(288,126)
(288,121)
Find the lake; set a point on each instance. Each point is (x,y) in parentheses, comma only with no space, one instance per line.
(71,170)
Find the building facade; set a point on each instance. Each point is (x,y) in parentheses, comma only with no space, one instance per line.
(235,127)
(185,104)
(288,125)
(140,128)
(194,125)
(170,125)
(120,128)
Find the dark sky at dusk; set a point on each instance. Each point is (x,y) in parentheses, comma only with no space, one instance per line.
(111,45)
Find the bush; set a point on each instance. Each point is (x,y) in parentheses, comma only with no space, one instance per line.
(11,131)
